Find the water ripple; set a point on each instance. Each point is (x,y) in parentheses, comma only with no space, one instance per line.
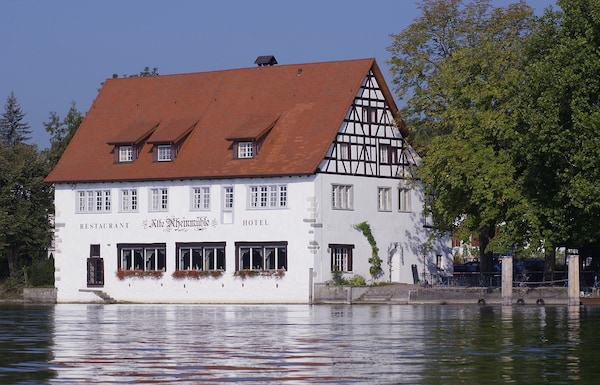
(296,344)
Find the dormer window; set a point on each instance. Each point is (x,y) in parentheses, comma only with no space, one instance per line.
(126,154)
(164,153)
(249,136)
(245,150)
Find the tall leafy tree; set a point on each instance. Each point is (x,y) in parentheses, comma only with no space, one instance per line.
(61,132)
(13,129)
(560,132)
(25,206)
(458,68)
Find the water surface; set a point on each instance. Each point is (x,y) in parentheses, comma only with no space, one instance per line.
(297,344)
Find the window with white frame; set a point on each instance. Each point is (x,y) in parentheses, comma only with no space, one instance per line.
(268,196)
(228,197)
(94,201)
(261,256)
(159,199)
(245,149)
(342,197)
(126,154)
(164,153)
(384,198)
(200,256)
(341,257)
(404,199)
(201,198)
(129,200)
(144,257)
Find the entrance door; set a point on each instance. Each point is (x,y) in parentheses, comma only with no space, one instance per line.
(95,272)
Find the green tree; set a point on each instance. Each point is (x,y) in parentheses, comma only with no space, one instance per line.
(559,135)
(145,72)
(25,206)
(61,133)
(12,128)
(459,68)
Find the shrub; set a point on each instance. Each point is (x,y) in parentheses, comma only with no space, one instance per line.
(337,278)
(357,280)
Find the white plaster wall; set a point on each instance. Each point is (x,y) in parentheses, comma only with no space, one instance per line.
(400,236)
(76,231)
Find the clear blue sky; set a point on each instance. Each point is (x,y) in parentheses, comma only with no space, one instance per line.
(55,52)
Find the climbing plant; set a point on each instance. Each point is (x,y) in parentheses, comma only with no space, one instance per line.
(375,270)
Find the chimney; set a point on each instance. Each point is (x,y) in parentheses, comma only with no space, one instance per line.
(267,60)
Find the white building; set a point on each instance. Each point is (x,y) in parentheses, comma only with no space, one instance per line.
(238,186)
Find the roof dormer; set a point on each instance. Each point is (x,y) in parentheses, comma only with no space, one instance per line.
(128,144)
(168,138)
(250,135)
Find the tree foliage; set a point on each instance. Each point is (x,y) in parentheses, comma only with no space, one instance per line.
(505,109)
(61,132)
(559,135)
(26,203)
(13,130)
(459,67)
(145,72)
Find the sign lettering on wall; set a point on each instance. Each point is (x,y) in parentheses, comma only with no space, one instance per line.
(179,223)
(255,222)
(104,226)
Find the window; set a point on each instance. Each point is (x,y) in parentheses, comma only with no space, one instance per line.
(384,199)
(165,153)
(126,154)
(201,198)
(369,114)
(385,153)
(159,199)
(200,256)
(94,251)
(129,200)
(344,151)
(261,256)
(245,150)
(93,201)
(269,196)
(341,257)
(342,197)
(228,197)
(145,257)
(404,199)
(95,271)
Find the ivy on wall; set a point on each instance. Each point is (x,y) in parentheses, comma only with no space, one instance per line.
(375,270)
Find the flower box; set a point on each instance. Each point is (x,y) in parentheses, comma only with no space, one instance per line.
(122,274)
(197,274)
(247,273)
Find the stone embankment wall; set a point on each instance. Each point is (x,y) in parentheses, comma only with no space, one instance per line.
(415,294)
(39,295)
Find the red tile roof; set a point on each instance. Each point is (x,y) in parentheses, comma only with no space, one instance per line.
(299,107)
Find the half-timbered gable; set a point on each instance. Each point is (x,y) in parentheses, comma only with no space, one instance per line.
(371,141)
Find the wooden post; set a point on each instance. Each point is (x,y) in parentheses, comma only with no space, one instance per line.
(573,277)
(507,279)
